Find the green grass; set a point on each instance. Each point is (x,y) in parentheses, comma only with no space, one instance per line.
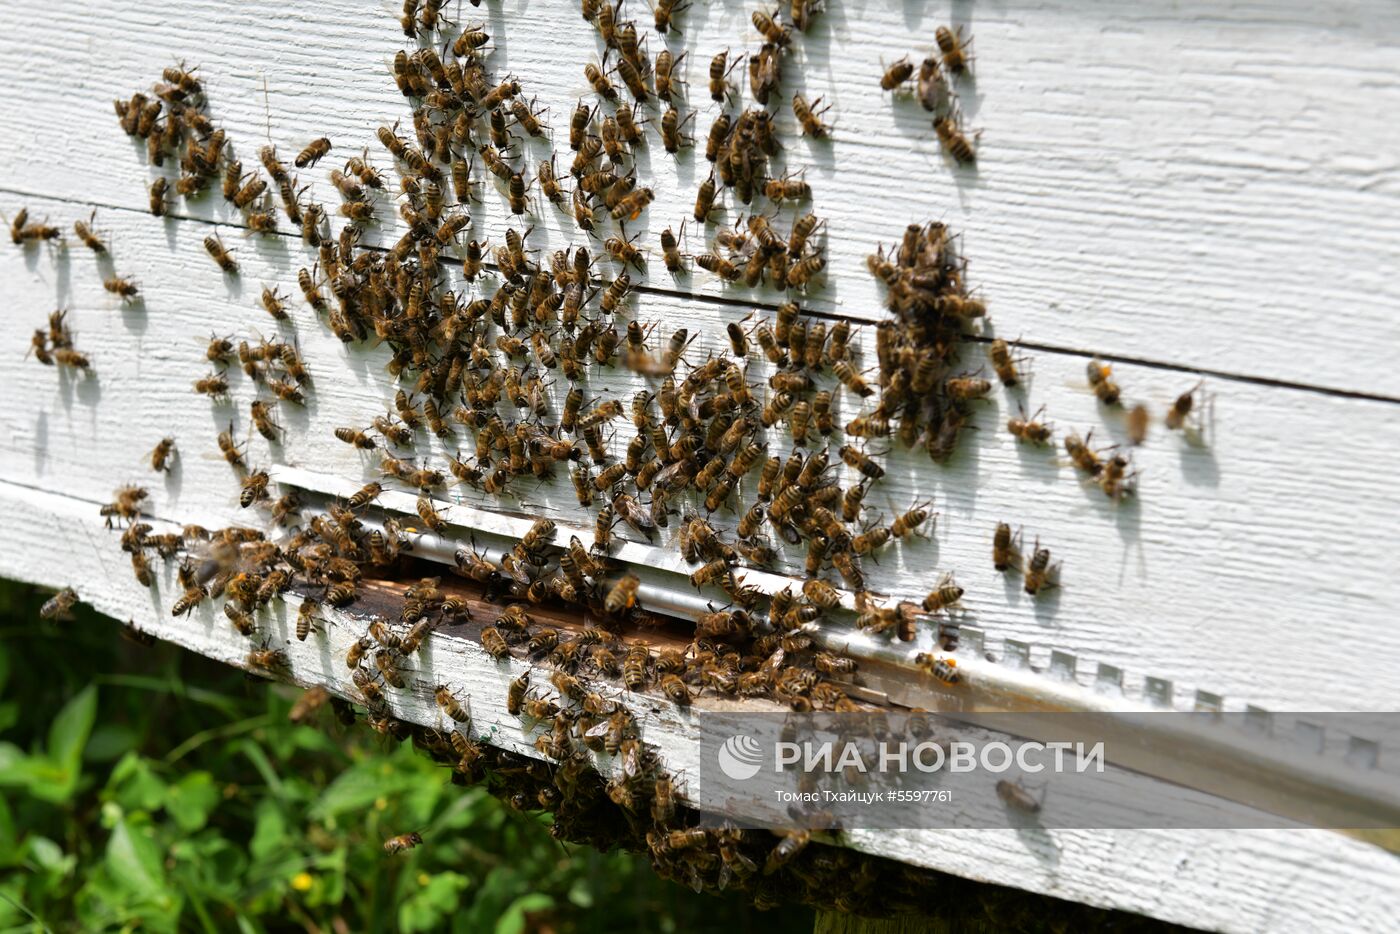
(149,788)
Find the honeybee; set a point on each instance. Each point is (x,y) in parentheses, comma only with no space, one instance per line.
(342,594)
(623,595)
(1083,457)
(623,251)
(267,659)
(161,454)
(473,37)
(384,661)
(821,593)
(675,690)
(1004,546)
(142,569)
(515,693)
(809,116)
(430,515)
(450,705)
(907,523)
(404,841)
(944,669)
(1138,420)
(896,74)
(311,700)
(965,388)
(214,385)
(1115,480)
(950,43)
(355,438)
(494,643)
(1013,795)
(1028,429)
(1177,415)
(950,134)
(1100,378)
(246,195)
(935,94)
(712,262)
(286,391)
(313,153)
(945,594)
(254,488)
(1038,571)
(229,449)
(630,206)
(801,272)
(85,233)
(117,285)
(719,74)
(158,196)
(634,666)
(999,352)
(787,189)
(59,606)
(599,82)
(306,617)
(861,462)
(793,843)
(261,413)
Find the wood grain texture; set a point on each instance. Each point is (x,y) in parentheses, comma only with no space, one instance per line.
(1145,177)
(1196,190)
(1214,577)
(1245,881)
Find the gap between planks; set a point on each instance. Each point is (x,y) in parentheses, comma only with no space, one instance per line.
(721,301)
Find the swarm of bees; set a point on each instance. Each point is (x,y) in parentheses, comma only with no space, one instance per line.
(54,345)
(933,88)
(704,438)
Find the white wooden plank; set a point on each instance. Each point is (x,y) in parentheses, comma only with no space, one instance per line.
(1236,565)
(1257,881)
(1184,173)
(1176,172)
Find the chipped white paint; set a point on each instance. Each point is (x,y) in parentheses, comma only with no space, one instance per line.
(1197,190)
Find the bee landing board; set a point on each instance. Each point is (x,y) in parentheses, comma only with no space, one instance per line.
(1233,570)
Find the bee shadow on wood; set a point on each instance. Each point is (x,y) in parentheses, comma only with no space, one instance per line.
(41,441)
(174,479)
(1036,839)
(82,384)
(1199,466)
(63,275)
(914,11)
(273,249)
(1046,603)
(133,312)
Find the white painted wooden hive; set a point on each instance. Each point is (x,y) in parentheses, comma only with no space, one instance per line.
(1200,194)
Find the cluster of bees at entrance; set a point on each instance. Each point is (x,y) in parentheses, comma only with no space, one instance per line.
(476,367)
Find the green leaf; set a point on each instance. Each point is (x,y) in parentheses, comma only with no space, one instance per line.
(9,714)
(425,909)
(191,800)
(134,862)
(7,833)
(512,921)
(38,775)
(49,856)
(135,786)
(69,732)
(269,830)
(110,741)
(359,786)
